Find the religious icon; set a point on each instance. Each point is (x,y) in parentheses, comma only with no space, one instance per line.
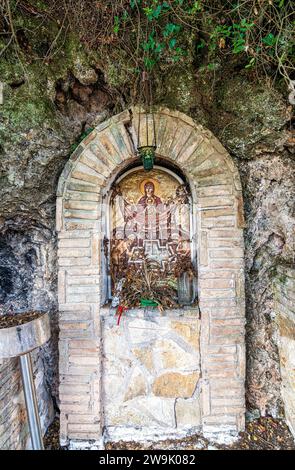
(149,197)
(150,223)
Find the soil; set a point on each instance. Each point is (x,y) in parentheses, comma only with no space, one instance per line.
(260,434)
(9,320)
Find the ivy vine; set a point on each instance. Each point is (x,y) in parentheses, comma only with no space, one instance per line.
(153,33)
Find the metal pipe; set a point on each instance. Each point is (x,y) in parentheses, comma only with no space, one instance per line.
(31,401)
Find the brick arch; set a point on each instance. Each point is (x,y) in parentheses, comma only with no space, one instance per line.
(218,204)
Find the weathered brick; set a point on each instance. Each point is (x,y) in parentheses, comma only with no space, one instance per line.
(83,343)
(215,222)
(224,243)
(212,303)
(203,249)
(84,428)
(82,298)
(217,294)
(181,137)
(232,234)
(78,185)
(71,379)
(216,274)
(74,389)
(82,214)
(220,419)
(216,410)
(221,254)
(212,213)
(74,408)
(82,224)
(83,289)
(83,280)
(80,205)
(222,373)
(220,359)
(215,180)
(189,152)
(85,419)
(74,242)
(82,196)
(73,234)
(229,339)
(219,330)
(89,159)
(95,249)
(216,283)
(75,398)
(106,140)
(75,316)
(59,213)
(83,271)
(220,190)
(81,360)
(228,393)
(85,261)
(222,349)
(236,263)
(85,351)
(73,252)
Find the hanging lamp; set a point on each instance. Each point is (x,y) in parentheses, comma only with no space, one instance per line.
(146,135)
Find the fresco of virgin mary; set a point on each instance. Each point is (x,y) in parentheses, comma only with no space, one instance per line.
(152,216)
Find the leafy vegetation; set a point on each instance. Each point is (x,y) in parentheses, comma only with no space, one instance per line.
(150,34)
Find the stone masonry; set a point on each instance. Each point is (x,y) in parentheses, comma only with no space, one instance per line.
(151,372)
(285,317)
(218,209)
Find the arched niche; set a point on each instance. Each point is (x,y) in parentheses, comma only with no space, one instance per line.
(218,210)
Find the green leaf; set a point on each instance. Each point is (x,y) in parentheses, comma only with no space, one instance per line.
(239,45)
(212,66)
(171,28)
(148,12)
(159,48)
(251,63)
(197,6)
(149,63)
(116,25)
(157,11)
(125,15)
(201,44)
(281,3)
(172,43)
(269,40)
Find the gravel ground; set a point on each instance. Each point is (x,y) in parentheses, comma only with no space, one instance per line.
(260,434)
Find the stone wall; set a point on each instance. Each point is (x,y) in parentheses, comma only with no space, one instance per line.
(14,431)
(285,317)
(151,373)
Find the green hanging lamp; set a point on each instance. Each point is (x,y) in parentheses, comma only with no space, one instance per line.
(146,136)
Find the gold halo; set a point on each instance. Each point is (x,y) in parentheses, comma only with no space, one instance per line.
(149,180)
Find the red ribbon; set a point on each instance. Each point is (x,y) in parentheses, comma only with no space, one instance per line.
(120,310)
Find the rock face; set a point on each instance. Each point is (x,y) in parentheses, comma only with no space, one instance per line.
(269,195)
(36,133)
(254,123)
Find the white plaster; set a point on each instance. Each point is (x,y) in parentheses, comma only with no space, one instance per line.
(86,445)
(146,434)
